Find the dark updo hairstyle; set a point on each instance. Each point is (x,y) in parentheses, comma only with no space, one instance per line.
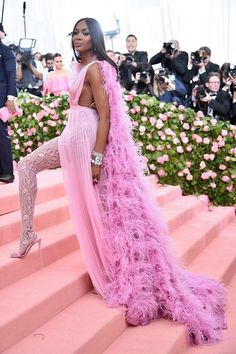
(97,38)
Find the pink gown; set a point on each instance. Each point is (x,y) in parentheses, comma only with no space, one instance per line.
(56,84)
(121,231)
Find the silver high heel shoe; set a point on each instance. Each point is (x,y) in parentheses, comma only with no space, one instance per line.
(29,240)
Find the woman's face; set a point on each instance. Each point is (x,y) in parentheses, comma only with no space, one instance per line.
(58,62)
(81,37)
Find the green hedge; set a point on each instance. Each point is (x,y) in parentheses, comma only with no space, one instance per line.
(180,146)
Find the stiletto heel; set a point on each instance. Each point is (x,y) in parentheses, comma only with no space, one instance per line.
(26,244)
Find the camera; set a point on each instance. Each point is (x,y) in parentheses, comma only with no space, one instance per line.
(170,47)
(161,74)
(232,70)
(201,91)
(129,59)
(25,49)
(27,56)
(198,56)
(144,75)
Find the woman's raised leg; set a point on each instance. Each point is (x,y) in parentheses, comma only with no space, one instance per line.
(46,156)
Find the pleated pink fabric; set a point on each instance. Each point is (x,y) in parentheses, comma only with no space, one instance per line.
(120,228)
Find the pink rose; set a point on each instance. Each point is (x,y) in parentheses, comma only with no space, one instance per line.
(143,119)
(133,93)
(205,128)
(186,126)
(222,167)
(214,147)
(200,114)
(152,120)
(143,102)
(180,149)
(205,175)
(189,177)
(189,148)
(213,122)
(206,141)
(229,188)
(202,165)
(152,167)
(160,160)
(188,163)
(159,124)
(132,111)
(162,105)
(224,132)
(225,179)
(142,129)
(161,172)
(175,141)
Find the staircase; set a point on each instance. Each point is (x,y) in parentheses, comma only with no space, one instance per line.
(47,305)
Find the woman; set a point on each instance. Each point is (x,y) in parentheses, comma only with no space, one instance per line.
(57,80)
(121,232)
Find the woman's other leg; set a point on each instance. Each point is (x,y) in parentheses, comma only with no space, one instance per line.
(46,156)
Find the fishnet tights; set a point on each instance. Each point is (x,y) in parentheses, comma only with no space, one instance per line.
(46,156)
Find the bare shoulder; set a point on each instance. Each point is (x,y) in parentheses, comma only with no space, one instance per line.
(94,72)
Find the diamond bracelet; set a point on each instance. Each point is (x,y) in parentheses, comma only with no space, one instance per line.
(96,159)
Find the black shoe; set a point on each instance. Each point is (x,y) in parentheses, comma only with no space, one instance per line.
(7,178)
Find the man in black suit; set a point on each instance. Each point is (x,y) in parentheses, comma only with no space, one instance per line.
(172,59)
(7,97)
(213,102)
(131,63)
(200,67)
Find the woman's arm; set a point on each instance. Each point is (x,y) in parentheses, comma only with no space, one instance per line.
(95,80)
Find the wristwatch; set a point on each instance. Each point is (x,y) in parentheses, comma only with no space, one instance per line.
(10,97)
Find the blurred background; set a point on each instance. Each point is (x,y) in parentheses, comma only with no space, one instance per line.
(193,23)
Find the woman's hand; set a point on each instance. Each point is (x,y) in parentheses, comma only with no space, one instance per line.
(96,174)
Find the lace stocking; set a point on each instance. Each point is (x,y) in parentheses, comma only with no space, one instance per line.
(46,156)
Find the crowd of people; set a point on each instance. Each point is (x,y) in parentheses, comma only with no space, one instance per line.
(193,81)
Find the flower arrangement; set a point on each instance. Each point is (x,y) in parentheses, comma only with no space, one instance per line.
(185,148)
(42,119)
(180,146)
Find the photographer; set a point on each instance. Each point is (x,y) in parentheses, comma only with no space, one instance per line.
(199,67)
(228,73)
(167,90)
(143,83)
(131,63)
(173,59)
(212,100)
(28,77)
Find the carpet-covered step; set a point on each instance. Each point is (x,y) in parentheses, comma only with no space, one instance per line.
(32,301)
(46,214)
(50,185)
(218,260)
(179,211)
(88,326)
(194,236)
(56,242)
